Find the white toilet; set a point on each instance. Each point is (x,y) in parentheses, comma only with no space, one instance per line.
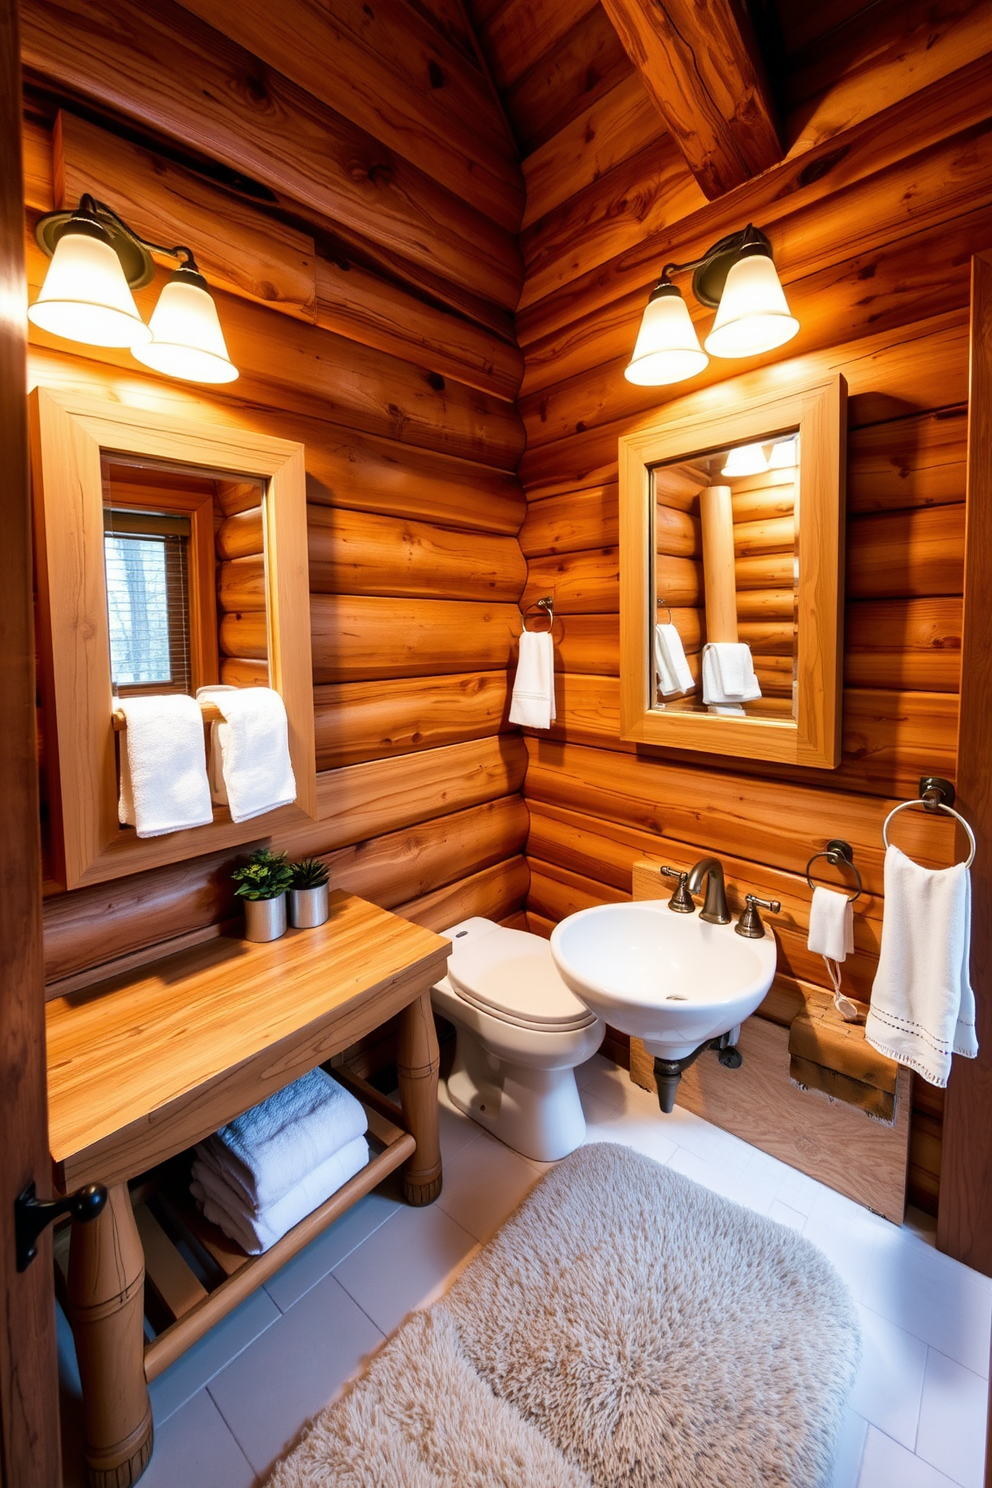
(521,1033)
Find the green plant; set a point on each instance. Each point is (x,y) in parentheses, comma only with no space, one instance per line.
(266,875)
(308,873)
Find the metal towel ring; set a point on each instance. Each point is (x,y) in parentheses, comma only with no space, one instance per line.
(928,806)
(547,604)
(668,610)
(838,853)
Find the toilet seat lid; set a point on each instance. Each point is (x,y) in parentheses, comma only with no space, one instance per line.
(511,974)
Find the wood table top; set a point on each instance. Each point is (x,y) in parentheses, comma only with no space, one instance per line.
(128,1047)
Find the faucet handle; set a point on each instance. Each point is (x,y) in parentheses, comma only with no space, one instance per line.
(750,923)
(681,900)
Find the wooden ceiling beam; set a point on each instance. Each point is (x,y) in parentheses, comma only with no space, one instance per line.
(700,63)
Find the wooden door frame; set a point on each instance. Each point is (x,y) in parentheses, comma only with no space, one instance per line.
(29,1436)
(964,1221)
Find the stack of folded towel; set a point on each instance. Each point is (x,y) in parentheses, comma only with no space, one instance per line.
(262,1173)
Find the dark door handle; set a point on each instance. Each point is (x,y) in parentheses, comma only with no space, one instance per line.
(33,1215)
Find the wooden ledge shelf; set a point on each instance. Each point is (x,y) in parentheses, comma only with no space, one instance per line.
(211,714)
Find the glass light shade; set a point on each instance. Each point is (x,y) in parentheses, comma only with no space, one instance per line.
(783,454)
(753,315)
(186,338)
(746,459)
(85,296)
(667,347)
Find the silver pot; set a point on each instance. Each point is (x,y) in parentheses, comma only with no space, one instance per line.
(308,907)
(265,919)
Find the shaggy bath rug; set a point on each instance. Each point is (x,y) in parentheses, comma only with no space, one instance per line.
(624,1327)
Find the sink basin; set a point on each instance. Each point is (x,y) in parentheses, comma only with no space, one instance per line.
(673,980)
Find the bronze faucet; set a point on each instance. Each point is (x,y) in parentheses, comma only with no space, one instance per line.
(715,908)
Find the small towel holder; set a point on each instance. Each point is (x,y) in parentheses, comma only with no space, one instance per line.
(663,605)
(839,854)
(936,794)
(547,604)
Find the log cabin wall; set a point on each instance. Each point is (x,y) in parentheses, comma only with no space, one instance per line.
(353,196)
(883,195)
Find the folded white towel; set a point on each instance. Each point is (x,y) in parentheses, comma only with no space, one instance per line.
(831,935)
(258,1230)
(728,673)
(922,1004)
(250,768)
(273,1146)
(671,666)
(164,785)
(533,702)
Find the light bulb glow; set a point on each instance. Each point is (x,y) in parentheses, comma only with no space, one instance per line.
(85,296)
(667,347)
(753,315)
(746,459)
(186,339)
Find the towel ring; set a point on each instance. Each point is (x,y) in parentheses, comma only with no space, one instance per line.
(838,853)
(934,806)
(668,611)
(547,604)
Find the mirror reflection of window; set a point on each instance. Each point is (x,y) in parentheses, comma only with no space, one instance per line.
(147,564)
(726,580)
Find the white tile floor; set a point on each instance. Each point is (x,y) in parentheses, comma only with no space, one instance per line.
(233,1404)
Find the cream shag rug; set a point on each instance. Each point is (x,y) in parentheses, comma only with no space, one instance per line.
(624,1327)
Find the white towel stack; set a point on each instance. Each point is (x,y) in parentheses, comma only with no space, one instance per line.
(533,702)
(922,1004)
(250,768)
(671,666)
(262,1173)
(728,674)
(163,767)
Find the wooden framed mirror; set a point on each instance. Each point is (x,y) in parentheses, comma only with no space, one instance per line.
(220,515)
(731,568)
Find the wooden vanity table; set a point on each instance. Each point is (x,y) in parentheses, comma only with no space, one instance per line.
(142,1066)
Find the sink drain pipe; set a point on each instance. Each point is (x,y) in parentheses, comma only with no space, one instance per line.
(668,1072)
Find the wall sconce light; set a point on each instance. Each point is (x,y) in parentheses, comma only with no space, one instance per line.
(737,277)
(96,261)
(746,459)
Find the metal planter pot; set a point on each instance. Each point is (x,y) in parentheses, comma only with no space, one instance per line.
(308,907)
(265,919)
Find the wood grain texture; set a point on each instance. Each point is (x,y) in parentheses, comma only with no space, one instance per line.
(359,638)
(356,721)
(29,1436)
(964,1217)
(704,72)
(585,65)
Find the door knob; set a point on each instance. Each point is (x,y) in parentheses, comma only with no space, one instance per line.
(33,1215)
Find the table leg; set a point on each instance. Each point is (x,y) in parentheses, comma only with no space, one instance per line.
(106,1302)
(416,1068)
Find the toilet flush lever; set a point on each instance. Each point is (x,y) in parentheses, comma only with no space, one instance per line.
(750,923)
(681,900)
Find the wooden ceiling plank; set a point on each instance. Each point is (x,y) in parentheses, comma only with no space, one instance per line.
(701,65)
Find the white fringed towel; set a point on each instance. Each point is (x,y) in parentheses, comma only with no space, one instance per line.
(250,768)
(728,673)
(671,666)
(164,786)
(922,1004)
(257,1230)
(831,935)
(533,701)
(273,1146)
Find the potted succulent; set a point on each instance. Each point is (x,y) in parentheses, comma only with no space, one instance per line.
(308,893)
(262,883)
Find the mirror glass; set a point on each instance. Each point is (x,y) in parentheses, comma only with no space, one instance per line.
(725,581)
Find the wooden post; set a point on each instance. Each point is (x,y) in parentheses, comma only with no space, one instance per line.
(417,1063)
(719,576)
(106,1304)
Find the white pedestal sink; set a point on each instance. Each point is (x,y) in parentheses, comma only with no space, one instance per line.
(672,980)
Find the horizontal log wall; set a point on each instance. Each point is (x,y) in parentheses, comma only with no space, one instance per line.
(872,233)
(364,263)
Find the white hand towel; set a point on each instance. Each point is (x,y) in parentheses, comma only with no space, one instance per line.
(164,786)
(250,768)
(271,1147)
(922,1004)
(831,935)
(673,671)
(533,702)
(728,673)
(258,1230)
